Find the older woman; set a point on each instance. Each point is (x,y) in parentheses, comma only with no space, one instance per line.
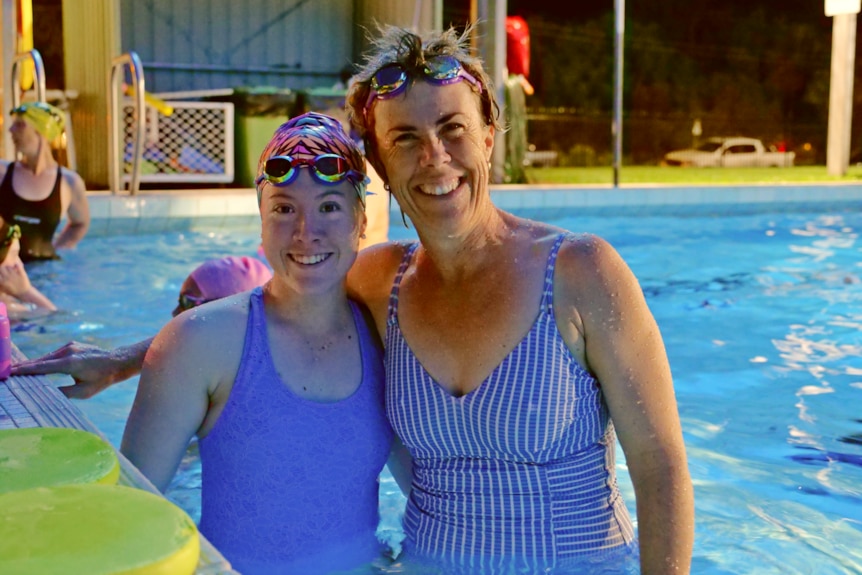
(516,352)
(36,193)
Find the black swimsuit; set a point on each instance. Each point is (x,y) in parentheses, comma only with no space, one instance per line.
(38,220)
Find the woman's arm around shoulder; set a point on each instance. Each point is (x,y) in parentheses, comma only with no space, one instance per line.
(601,300)
(192,356)
(370,279)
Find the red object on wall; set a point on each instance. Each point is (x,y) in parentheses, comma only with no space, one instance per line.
(517,46)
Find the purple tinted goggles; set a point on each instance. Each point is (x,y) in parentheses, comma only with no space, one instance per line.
(391,79)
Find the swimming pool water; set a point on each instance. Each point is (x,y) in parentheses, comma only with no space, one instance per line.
(762,320)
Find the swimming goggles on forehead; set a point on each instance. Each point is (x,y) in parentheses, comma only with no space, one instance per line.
(391,79)
(326,169)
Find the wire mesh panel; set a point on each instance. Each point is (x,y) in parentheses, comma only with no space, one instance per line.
(193,144)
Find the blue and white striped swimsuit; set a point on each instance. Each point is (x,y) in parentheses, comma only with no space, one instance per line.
(523,466)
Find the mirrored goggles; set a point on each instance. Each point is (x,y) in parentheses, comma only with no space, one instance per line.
(187,301)
(326,169)
(391,80)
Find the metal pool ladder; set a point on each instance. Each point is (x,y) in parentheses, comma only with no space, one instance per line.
(15,89)
(115,153)
(39,71)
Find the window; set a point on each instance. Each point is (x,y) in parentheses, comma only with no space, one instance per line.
(741,149)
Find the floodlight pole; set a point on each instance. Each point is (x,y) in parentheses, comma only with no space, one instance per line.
(617,124)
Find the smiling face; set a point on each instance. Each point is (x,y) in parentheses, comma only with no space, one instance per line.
(436,150)
(311,232)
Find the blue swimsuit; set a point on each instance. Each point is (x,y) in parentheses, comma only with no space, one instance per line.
(290,484)
(521,467)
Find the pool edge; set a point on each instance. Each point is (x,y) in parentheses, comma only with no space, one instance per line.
(158,211)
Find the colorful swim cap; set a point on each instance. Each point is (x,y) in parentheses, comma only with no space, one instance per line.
(230,275)
(48,120)
(313,134)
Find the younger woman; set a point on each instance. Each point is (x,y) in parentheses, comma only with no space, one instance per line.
(283,384)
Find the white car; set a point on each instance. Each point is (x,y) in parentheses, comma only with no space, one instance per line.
(730,153)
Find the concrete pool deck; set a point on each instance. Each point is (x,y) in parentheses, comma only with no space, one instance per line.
(155,211)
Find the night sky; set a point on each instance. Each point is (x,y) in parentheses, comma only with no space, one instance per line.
(580,10)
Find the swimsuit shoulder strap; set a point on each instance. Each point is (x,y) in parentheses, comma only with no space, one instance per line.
(396,285)
(548,292)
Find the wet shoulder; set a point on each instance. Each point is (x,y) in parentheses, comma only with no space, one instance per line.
(588,270)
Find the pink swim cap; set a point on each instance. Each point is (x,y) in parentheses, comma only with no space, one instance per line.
(226,276)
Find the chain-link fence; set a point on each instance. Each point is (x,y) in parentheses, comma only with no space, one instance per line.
(721,70)
(569,137)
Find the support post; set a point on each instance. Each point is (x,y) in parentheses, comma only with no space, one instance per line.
(492,41)
(617,124)
(8,17)
(843,13)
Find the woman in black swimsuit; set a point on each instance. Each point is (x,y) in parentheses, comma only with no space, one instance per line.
(36,193)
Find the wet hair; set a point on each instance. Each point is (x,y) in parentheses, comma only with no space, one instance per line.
(399,45)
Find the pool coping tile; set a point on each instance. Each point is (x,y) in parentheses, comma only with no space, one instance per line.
(176,210)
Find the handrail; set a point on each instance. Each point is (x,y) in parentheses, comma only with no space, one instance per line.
(39,71)
(114,149)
